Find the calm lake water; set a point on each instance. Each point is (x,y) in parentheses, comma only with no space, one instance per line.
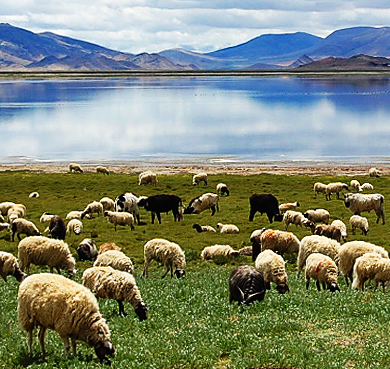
(221,119)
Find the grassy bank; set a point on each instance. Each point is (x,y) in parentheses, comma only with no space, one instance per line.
(190,322)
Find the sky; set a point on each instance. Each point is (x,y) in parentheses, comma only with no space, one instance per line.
(136,26)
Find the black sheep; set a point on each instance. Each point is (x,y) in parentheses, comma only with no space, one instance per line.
(57,228)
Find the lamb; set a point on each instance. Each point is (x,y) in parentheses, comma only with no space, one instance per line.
(373,172)
(33,195)
(109,283)
(317,215)
(200,177)
(5,206)
(316,244)
(343,228)
(102,170)
(9,266)
(76,214)
(115,259)
(222,189)
(168,253)
(288,206)
(53,301)
(295,217)
(357,203)
(87,250)
(108,204)
(211,252)
(128,202)
(279,241)
(366,187)
(319,188)
(201,229)
(120,218)
(335,187)
(227,228)
(350,251)
(15,212)
(246,285)
(199,204)
(147,177)
(256,243)
(356,221)
(75,226)
(108,246)
(271,266)
(265,203)
(57,228)
(93,207)
(329,231)
(41,250)
(74,167)
(364,269)
(23,226)
(323,270)
(46,217)
(355,185)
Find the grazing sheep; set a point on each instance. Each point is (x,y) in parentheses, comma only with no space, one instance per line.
(197,178)
(41,250)
(9,266)
(16,211)
(120,218)
(168,253)
(147,177)
(256,243)
(103,170)
(246,285)
(206,201)
(227,228)
(130,203)
(75,226)
(5,206)
(317,215)
(355,185)
(271,266)
(316,244)
(76,215)
(23,226)
(246,250)
(115,259)
(356,221)
(357,203)
(279,241)
(108,246)
(329,231)
(289,206)
(46,217)
(109,283)
(323,270)
(33,195)
(4,227)
(222,189)
(295,217)
(93,207)
(364,269)
(319,188)
(350,251)
(87,250)
(201,229)
(265,203)
(373,172)
(343,228)
(212,252)
(57,228)
(108,204)
(55,302)
(74,167)
(336,188)
(366,187)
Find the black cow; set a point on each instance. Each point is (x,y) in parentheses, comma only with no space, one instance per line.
(164,203)
(265,203)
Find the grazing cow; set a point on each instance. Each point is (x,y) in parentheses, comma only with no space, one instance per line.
(164,203)
(265,203)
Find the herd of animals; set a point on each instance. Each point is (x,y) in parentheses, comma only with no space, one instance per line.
(321,256)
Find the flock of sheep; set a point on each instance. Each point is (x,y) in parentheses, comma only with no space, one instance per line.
(41,296)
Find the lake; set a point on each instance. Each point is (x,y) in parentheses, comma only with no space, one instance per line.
(212,119)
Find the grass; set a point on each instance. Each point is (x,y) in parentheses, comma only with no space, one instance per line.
(190,322)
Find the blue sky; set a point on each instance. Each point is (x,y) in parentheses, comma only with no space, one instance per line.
(136,26)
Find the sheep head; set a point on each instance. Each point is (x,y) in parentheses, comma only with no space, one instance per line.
(104,349)
(141,311)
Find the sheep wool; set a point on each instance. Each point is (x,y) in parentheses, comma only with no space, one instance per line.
(108,283)
(147,177)
(366,187)
(323,270)
(222,189)
(87,250)
(93,207)
(356,221)
(212,252)
(74,167)
(228,228)
(76,214)
(5,206)
(317,215)
(33,195)
(295,217)
(319,188)
(373,172)
(200,177)
(46,217)
(115,259)
(22,226)
(108,204)
(41,250)
(102,170)
(328,231)
(4,227)
(336,188)
(108,246)
(364,269)
(355,185)
(343,228)
(55,302)
(357,203)
(168,253)
(288,206)
(120,218)
(201,229)
(256,244)
(9,266)
(280,242)
(75,226)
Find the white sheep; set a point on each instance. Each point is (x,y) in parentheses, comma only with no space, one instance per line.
(9,266)
(356,221)
(41,250)
(75,214)
(16,211)
(355,184)
(75,226)
(93,207)
(366,187)
(280,242)
(364,269)
(222,189)
(200,177)
(102,170)
(317,215)
(128,202)
(328,231)
(115,259)
(373,172)
(109,283)
(316,244)
(335,187)
(201,229)
(23,226)
(228,228)
(271,266)
(323,270)
(212,252)
(206,201)
(74,167)
(256,243)
(120,218)
(55,302)
(319,188)
(108,204)
(357,203)
(33,195)
(168,253)
(288,206)
(5,206)
(46,217)
(343,228)
(108,246)
(295,217)
(147,177)
(350,251)
(87,250)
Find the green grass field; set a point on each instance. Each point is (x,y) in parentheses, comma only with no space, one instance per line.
(190,322)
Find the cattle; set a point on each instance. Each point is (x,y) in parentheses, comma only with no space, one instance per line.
(265,203)
(164,203)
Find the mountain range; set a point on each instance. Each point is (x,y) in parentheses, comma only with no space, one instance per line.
(23,50)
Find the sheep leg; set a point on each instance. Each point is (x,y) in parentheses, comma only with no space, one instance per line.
(145,272)
(324,287)
(18,234)
(121,308)
(212,210)
(30,340)
(74,343)
(41,336)
(318,285)
(307,282)
(166,272)
(65,340)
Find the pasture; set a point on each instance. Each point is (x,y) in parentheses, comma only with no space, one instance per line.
(190,322)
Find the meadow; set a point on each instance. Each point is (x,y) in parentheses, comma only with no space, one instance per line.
(190,321)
